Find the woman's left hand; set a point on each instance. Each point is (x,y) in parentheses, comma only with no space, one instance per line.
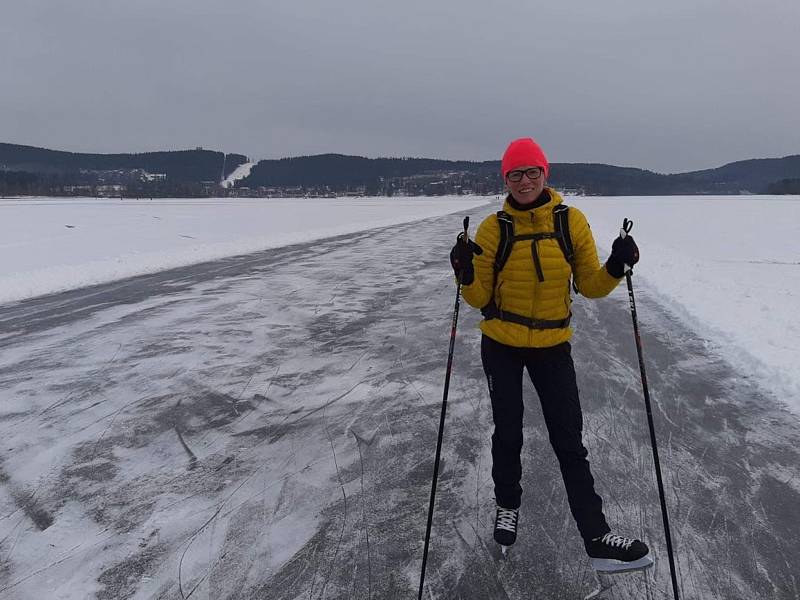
(624,251)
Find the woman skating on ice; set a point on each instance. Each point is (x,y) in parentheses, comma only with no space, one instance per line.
(518,272)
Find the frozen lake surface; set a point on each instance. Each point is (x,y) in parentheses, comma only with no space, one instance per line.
(263,426)
(728,265)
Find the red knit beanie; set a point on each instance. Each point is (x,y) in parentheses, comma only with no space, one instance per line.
(524,152)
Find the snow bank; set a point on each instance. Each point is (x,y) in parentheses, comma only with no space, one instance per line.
(729,265)
(49,245)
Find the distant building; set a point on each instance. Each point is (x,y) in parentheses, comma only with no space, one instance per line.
(571,191)
(109,191)
(78,189)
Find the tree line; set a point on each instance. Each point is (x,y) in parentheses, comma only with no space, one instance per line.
(340,173)
(26,170)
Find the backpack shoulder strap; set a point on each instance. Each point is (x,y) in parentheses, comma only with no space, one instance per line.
(504,247)
(561,221)
(506,224)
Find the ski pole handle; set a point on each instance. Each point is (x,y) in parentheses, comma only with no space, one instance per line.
(627,225)
(465,237)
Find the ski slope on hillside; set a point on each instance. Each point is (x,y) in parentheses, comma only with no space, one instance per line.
(239,172)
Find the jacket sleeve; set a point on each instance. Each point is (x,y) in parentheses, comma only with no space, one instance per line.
(592,278)
(480,291)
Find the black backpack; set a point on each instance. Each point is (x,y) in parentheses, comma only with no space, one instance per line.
(507,240)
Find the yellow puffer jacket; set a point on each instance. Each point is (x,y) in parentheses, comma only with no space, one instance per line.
(518,288)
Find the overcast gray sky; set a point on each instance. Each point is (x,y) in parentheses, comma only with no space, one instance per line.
(669,86)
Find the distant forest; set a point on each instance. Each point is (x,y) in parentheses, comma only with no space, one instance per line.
(26,170)
(784,186)
(385,176)
(30,170)
(179,165)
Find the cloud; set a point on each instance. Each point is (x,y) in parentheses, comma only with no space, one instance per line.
(670,86)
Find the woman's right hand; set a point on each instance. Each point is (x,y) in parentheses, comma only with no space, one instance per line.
(461,258)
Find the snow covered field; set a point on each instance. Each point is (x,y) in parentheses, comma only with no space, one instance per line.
(54,244)
(729,265)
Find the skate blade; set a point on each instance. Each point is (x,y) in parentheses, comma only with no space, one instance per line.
(606,582)
(504,550)
(598,594)
(610,566)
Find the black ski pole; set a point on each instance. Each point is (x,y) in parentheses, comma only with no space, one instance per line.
(627,225)
(441,420)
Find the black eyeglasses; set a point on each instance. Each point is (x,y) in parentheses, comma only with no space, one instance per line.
(532,173)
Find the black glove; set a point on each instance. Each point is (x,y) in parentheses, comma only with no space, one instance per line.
(624,251)
(461,258)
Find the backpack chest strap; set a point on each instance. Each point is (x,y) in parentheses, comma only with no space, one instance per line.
(535,237)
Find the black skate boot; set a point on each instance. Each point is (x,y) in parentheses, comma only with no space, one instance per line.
(614,554)
(505,526)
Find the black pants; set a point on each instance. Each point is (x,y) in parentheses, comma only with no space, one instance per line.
(553,375)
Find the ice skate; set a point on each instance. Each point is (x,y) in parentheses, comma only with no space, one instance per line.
(505,528)
(617,554)
(614,554)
